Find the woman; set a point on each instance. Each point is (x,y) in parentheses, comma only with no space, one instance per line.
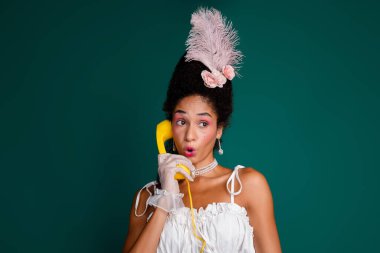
(233,209)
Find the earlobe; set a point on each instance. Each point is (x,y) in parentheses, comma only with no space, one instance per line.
(219,132)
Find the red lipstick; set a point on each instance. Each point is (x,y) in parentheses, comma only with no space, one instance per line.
(189,152)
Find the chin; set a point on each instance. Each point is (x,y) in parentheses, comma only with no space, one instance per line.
(191,158)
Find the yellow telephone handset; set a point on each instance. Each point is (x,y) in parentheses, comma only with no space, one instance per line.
(164,133)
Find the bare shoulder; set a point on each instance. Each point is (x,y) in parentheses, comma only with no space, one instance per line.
(255,187)
(252,178)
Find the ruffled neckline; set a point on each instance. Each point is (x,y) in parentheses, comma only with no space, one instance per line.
(211,210)
(216,208)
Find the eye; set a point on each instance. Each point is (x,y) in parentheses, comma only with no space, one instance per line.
(180,122)
(203,124)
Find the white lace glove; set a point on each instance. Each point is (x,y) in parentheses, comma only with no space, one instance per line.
(169,198)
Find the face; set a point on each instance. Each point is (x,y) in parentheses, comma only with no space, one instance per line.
(195,130)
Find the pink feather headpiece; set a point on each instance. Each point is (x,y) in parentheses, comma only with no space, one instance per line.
(212,41)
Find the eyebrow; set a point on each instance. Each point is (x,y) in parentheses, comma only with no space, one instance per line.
(200,114)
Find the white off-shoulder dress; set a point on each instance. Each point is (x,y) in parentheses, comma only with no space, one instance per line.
(224,226)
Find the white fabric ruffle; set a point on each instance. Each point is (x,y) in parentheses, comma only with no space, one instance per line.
(224,226)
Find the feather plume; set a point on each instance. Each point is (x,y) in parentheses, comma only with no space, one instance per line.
(212,40)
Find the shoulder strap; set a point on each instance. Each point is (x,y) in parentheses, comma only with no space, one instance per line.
(231,180)
(138,197)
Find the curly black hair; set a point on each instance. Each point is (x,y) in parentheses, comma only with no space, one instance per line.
(187,80)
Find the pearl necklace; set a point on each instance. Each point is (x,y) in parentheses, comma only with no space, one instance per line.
(205,169)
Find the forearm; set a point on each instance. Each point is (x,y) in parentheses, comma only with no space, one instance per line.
(149,238)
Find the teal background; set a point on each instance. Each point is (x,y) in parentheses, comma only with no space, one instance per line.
(82,86)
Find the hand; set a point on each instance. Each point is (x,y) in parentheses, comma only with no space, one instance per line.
(167,168)
(169,198)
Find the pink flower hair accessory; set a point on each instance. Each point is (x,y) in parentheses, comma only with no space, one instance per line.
(212,41)
(213,80)
(229,72)
(216,78)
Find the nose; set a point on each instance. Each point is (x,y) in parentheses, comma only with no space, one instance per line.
(190,133)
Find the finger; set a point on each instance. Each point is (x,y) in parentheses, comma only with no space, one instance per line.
(172,158)
(184,173)
(164,156)
(181,159)
(187,163)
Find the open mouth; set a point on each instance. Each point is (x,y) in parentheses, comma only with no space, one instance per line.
(189,152)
